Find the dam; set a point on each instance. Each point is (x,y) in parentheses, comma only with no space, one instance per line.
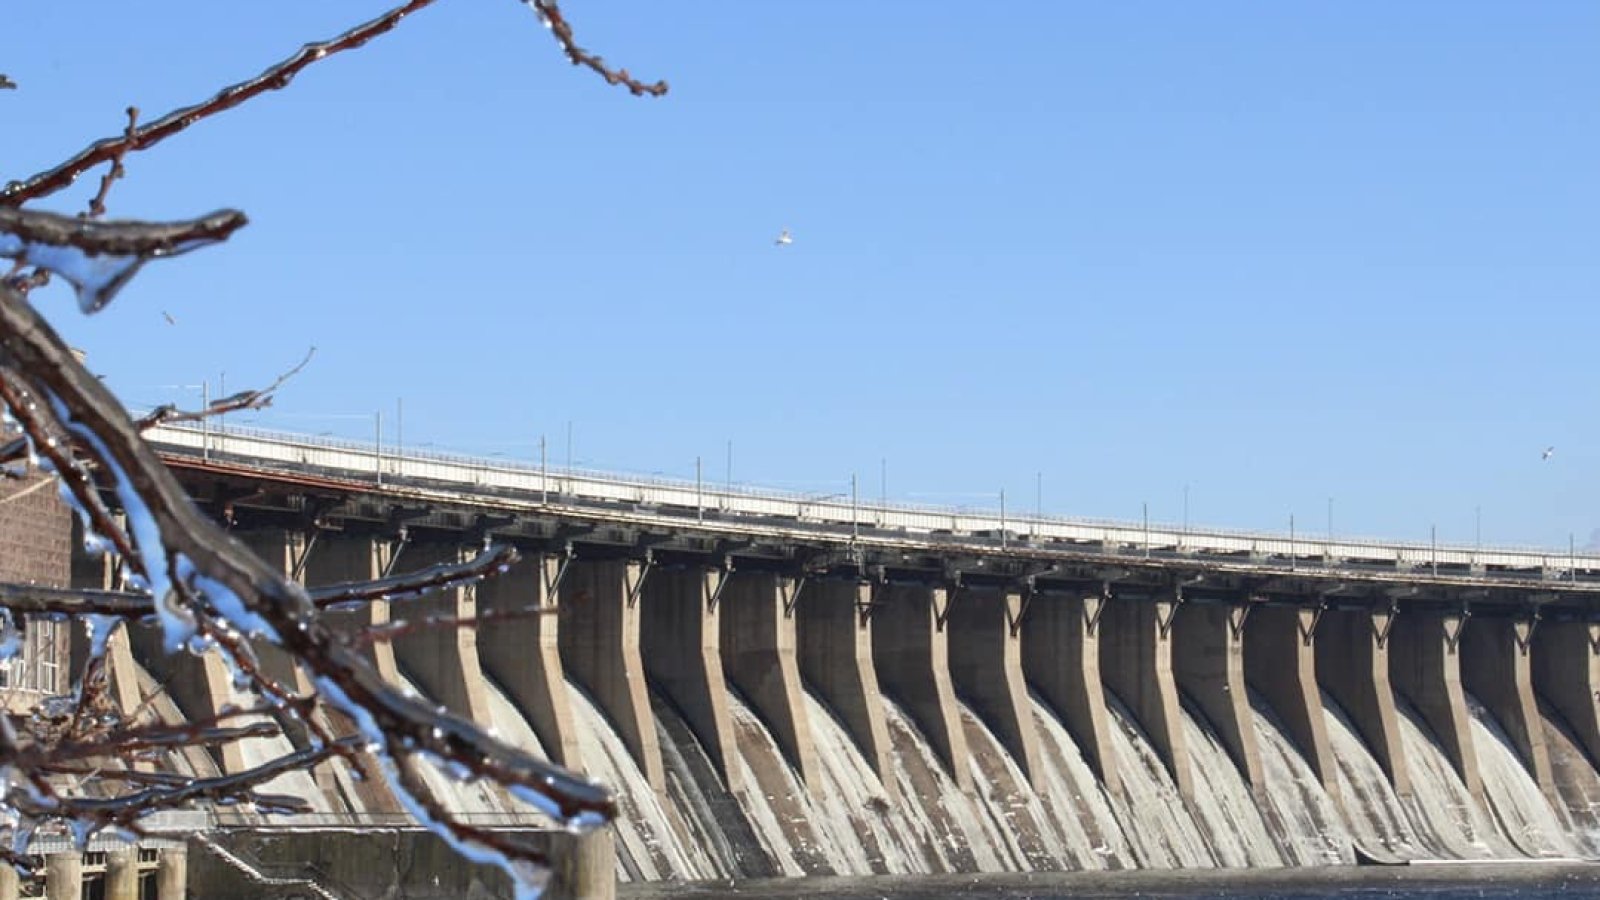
(781,686)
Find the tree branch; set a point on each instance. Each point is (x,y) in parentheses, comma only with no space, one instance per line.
(274,78)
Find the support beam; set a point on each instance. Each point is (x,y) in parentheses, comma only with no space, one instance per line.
(63,876)
(1208,663)
(172,874)
(681,633)
(986,669)
(1280,662)
(1061,655)
(122,873)
(835,646)
(443,662)
(1137,665)
(1498,670)
(1352,658)
(1566,672)
(10,883)
(1426,667)
(599,641)
(523,655)
(758,653)
(910,653)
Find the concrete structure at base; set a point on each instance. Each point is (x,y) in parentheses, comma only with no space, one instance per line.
(704,603)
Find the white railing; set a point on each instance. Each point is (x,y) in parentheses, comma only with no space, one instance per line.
(832,513)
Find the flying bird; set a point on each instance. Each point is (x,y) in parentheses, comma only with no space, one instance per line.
(168,316)
(784,238)
(1548,452)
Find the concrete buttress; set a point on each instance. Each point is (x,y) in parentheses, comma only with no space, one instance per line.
(523,655)
(599,640)
(1208,663)
(1061,656)
(1352,658)
(1566,672)
(1136,662)
(443,662)
(1499,672)
(758,653)
(833,629)
(681,634)
(1280,662)
(1426,668)
(910,653)
(986,668)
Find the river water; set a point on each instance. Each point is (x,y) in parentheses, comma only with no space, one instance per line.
(1458,881)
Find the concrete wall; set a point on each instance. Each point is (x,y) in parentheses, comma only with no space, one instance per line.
(1426,668)
(833,630)
(1566,672)
(758,653)
(442,661)
(1352,657)
(1061,656)
(986,669)
(681,635)
(1498,670)
(1280,662)
(1208,664)
(1136,663)
(599,639)
(392,864)
(911,655)
(523,655)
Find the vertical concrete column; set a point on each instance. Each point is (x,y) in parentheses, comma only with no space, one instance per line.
(1352,658)
(122,874)
(1280,662)
(758,653)
(681,632)
(1426,668)
(584,867)
(172,874)
(1208,663)
(986,668)
(911,654)
(341,558)
(834,630)
(1566,671)
(1061,656)
(1497,668)
(1136,663)
(524,656)
(63,876)
(10,883)
(599,641)
(443,661)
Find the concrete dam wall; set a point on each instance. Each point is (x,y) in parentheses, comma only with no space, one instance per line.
(755,723)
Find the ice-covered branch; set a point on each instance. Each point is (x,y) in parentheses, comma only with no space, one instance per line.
(549,12)
(275,77)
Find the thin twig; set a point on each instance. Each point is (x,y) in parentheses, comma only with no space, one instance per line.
(439,577)
(252,399)
(97,206)
(550,13)
(275,77)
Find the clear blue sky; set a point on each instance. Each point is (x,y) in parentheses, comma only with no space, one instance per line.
(1278,253)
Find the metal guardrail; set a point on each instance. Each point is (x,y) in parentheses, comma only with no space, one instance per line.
(831,515)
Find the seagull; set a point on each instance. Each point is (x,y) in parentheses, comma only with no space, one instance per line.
(784,238)
(168,316)
(1548,452)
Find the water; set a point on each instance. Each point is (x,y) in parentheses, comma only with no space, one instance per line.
(1436,882)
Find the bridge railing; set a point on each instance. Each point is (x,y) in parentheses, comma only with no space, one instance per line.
(836,512)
